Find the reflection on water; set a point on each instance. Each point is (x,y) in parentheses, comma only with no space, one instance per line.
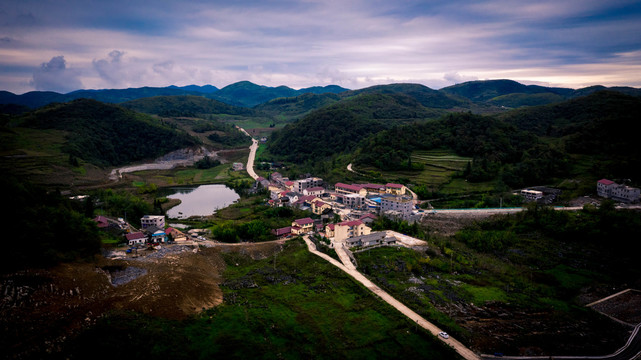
(200,201)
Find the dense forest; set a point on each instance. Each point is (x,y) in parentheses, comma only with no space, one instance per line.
(497,149)
(104,134)
(44,228)
(185,106)
(338,128)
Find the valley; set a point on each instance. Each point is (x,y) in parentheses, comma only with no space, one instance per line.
(516,280)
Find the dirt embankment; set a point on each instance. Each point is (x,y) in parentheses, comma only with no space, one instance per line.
(40,308)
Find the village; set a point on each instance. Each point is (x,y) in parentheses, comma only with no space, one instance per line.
(341,214)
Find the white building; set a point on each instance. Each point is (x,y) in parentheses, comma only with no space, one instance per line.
(315,191)
(354,201)
(531,195)
(153,220)
(609,189)
(311,182)
(400,204)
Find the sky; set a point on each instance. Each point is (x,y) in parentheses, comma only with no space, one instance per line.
(65,45)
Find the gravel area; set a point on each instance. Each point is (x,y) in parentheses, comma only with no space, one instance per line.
(130,273)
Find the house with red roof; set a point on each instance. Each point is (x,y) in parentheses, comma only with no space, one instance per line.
(374,188)
(609,189)
(316,191)
(101,221)
(346,229)
(346,189)
(302,226)
(320,207)
(368,218)
(175,234)
(282,232)
(136,238)
(396,189)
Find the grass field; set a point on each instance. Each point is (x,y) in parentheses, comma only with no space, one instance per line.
(440,168)
(291,306)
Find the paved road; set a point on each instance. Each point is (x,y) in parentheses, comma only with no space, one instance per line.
(416,318)
(252,155)
(630,351)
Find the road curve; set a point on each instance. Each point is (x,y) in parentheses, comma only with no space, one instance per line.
(252,155)
(416,318)
(630,351)
(251,158)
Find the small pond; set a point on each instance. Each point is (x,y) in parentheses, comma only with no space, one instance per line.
(200,200)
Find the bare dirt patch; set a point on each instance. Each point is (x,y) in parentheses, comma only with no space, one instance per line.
(40,308)
(449,224)
(625,307)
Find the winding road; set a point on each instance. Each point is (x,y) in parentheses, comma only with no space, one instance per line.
(252,155)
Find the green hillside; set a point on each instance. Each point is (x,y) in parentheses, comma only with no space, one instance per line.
(184,105)
(516,100)
(599,125)
(339,127)
(292,108)
(104,134)
(496,149)
(245,93)
(484,90)
(425,96)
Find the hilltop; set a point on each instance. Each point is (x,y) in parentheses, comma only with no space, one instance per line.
(102,134)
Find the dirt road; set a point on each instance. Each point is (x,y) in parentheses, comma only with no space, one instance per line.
(419,320)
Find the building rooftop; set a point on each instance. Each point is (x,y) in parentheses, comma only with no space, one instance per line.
(304,221)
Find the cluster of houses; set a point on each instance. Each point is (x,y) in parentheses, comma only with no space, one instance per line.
(391,200)
(618,192)
(154,232)
(357,206)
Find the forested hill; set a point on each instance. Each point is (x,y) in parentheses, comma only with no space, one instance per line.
(106,134)
(184,105)
(600,125)
(524,146)
(339,127)
(245,93)
(292,108)
(496,147)
(511,94)
(424,95)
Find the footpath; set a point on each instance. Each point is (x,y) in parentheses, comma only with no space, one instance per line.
(419,320)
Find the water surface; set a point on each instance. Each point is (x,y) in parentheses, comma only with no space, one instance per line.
(202,200)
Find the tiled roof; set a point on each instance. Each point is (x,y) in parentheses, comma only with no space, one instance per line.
(304,221)
(353,187)
(282,231)
(136,235)
(396,186)
(351,223)
(606,182)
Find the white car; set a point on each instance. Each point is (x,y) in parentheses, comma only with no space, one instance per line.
(444,335)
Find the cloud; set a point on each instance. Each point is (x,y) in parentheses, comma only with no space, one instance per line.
(111,69)
(355,43)
(456,78)
(55,76)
